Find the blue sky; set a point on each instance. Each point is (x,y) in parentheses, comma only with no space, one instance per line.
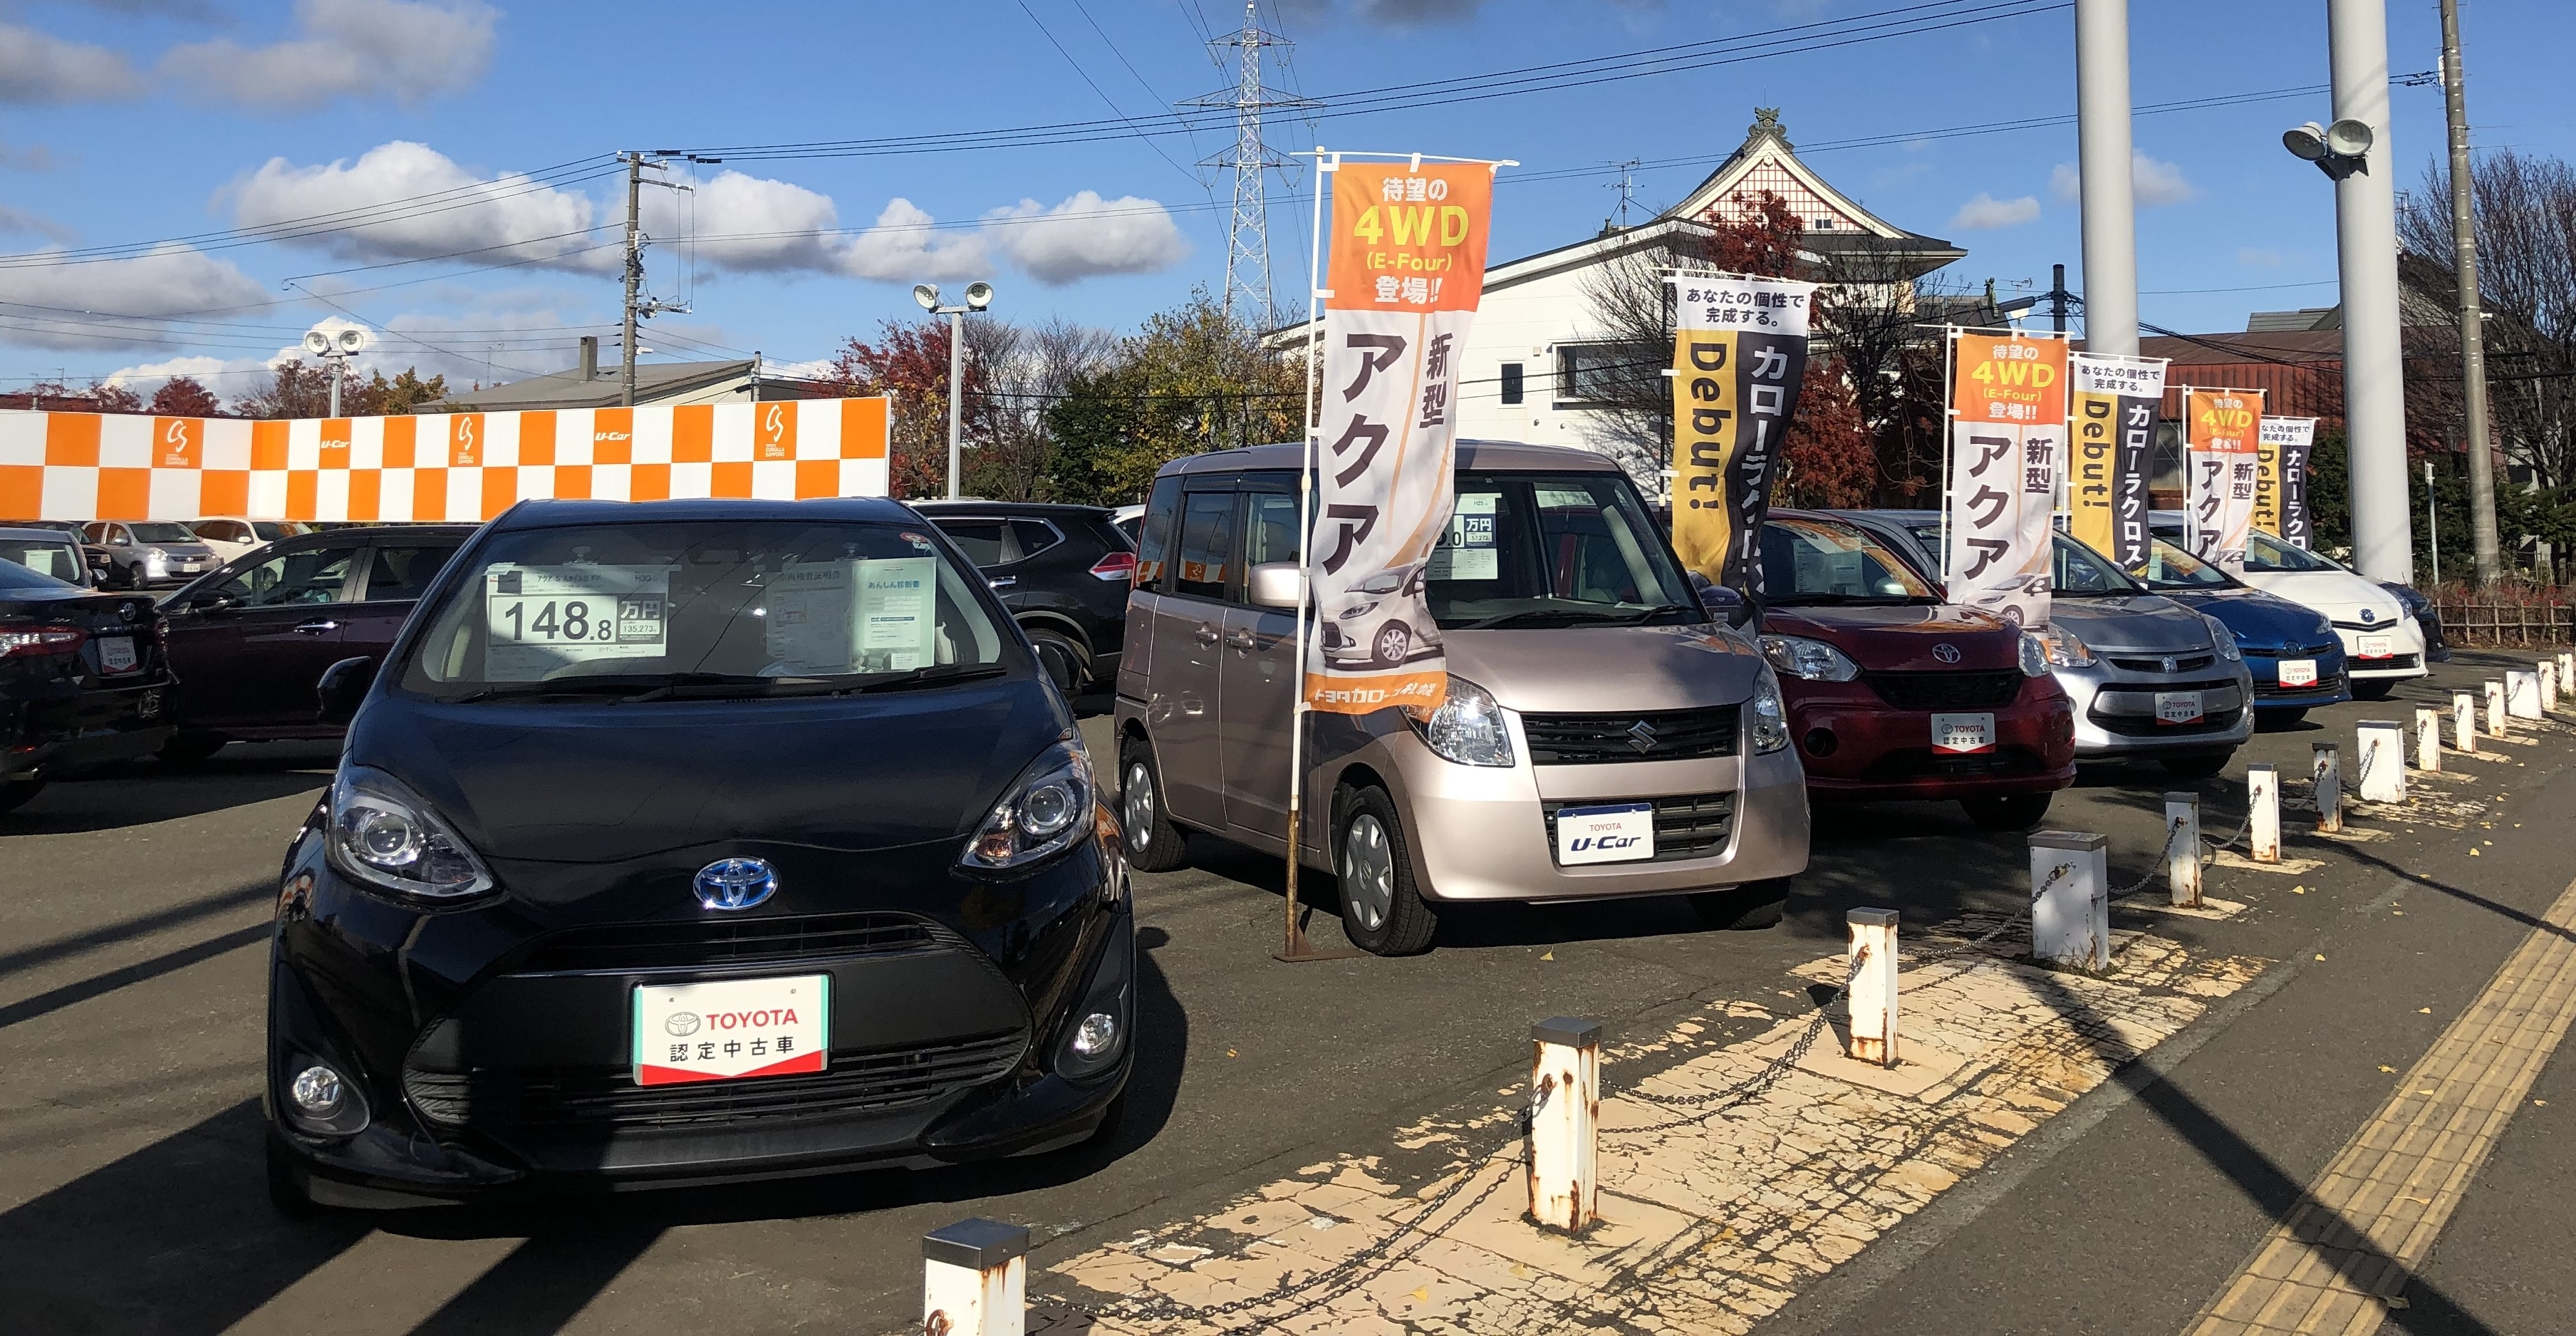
(137,121)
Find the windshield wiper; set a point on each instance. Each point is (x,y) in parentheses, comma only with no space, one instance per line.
(635,688)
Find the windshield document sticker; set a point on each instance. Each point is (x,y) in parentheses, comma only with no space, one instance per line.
(895,627)
(807,621)
(1468,552)
(539,620)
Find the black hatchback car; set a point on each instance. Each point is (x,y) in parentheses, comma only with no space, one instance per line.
(1063,571)
(689,841)
(84,679)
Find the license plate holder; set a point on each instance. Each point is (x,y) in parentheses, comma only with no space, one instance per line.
(731,1029)
(116,654)
(2180,707)
(1963,734)
(2298,672)
(1609,833)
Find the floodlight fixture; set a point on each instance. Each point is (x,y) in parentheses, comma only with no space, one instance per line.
(2338,150)
(317,343)
(2349,137)
(2305,142)
(978,295)
(352,341)
(927,294)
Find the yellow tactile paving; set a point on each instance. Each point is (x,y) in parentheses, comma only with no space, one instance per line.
(2371,1216)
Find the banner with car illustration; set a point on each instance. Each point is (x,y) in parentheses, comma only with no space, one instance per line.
(2281,479)
(2007,434)
(2112,431)
(1406,272)
(2221,466)
(1739,356)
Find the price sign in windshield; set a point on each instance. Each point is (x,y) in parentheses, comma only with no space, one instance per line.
(541,619)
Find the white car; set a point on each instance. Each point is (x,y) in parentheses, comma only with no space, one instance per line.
(232,536)
(2382,644)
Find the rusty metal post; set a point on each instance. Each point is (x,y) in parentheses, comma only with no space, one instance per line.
(2464,722)
(2182,849)
(2521,693)
(2263,812)
(975,1279)
(2548,687)
(2495,709)
(2567,673)
(2070,900)
(2327,770)
(2428,739)
(1872,957)
(1565,1113)
(2383,761)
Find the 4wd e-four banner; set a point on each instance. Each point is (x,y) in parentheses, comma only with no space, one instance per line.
(434,466)
(1407,269)
(2222,463)
(2007,433)
(2281,479)
(1739,356)
(2113,428)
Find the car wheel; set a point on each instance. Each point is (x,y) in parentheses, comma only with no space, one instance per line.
(1383,912)
(1743,908)
(15,793)
(1393,641)
(284,1192)
(1064,660)
(2275,720)
(190,748)
(2376,688)
(1154,844)
(2011,811)
(2197,767)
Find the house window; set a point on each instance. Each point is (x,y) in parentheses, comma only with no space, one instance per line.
(1511,382)
(1588,372)
(1822,225)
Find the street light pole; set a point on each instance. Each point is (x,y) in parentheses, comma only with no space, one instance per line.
(2483,541)
(2105,152)
(2374,363)
(978,296)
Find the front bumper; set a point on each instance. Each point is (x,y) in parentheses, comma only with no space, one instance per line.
(2332,687)
(2406,639)
(2115,710)
(58,726)
(492,1047)
(1857,747)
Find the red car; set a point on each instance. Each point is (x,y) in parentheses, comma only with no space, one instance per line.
(1893,693)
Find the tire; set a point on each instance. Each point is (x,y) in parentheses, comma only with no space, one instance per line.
(2375,688)
(1743,908)
(1062,658)
(284,1192)
(190,748)
(2197,767)
(15,793)
(1391,643)
(1153,843)
(2011,811)
(1383,912)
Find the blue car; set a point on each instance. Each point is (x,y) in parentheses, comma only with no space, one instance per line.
(2278,638)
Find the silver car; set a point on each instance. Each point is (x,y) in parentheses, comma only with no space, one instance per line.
(143,553)
(2150,678)
(1603,735)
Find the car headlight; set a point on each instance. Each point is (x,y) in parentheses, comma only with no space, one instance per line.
(2034,655)
(2225,639)
(2058,648)
(1046,811)
(385,836)
(1770,719)
(1359,610)
(1812,660)
(1468,727)
(155,555)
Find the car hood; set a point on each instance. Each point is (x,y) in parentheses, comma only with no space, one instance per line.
(588,782)
(2131,623)
(2338,595)
(1601,669)
(1906,637)
(2260,621)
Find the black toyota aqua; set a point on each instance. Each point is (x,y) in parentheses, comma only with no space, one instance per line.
(695,841)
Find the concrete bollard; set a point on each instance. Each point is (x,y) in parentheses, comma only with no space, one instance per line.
(2567,673)
(2548,686)
(2070,899)
(2327,769)
(2182,849)
(2495,709)
(2428,740)
(1873,986)
(975,1279)
(1565,1111)
(2383,761)
(2521,694)
(2464,721)
(2263,810)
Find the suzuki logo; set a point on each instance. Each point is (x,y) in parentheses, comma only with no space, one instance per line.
(1641,737)
(1946,652)
(735,883)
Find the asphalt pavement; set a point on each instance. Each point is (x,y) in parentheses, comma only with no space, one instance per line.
(133,911)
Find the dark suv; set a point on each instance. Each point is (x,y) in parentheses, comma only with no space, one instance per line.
(1063,571)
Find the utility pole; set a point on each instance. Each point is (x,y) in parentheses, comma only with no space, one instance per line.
(634,275)
(2106,153)
(1247,237)
(2473,344)
(2057,298)
(2374,362)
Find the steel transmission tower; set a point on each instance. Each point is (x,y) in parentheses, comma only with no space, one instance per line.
(1247,252)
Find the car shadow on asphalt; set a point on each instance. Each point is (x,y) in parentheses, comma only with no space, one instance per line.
(140,793)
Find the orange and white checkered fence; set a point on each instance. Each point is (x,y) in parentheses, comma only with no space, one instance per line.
(451,466)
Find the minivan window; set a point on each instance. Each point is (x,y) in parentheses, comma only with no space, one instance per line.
(311,575)
(1269,528)
(703,607)
(1207,544)
(1553,549)
(403,572)
(1154,532)
(1810,561)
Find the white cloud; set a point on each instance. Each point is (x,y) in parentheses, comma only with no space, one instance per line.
(347,48)
(751,224)
(2152,182)
(512,218)
(146,291)
(1985,211)
(903,247)
(1087,236)
(39,70)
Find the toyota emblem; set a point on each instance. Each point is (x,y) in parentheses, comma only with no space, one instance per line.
(681,1024)
(2170,663)
(736,883)
(1946,652)
(2368,616)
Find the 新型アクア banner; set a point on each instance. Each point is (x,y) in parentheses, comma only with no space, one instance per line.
(2112,428)
(1739,356)
(1407,243)
(2218,493)
(2281,479)
(2007,434)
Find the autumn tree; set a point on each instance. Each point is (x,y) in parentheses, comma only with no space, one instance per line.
(909,360)
(185,396)
(1193,379)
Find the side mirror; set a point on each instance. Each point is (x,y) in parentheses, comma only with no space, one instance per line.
(212,603)
(343,688)
(1278,584)
(1727,605)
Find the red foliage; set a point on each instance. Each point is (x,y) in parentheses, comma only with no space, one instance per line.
(185,396)
(1763,239)
(909,360)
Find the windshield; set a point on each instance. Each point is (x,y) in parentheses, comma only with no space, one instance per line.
(1554,549)
(161,533)
(58,559)
(1813,561)
(2169,567)
(704,607)
(2079,570)
(2263,552)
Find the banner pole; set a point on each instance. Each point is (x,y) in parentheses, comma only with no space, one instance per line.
(1949,425)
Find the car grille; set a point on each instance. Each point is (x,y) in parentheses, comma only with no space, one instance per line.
(1946,691)
(1686,826)
(1601,739)
(2273,689)
(2145,726)
(656,946)
(1923,762)
(2192,664)
(605,1098)
(2383,665)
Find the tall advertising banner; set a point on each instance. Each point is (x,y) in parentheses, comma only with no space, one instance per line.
(1739,356)
(2281,479)
(2113,429)
(1407,269)
(2007,434)
(2222,464)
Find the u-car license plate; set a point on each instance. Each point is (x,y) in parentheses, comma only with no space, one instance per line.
(2298,672)
(1963,734)
(2179,707)
(1611,834)
(732,1029)
(116,654)
(2374,647)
